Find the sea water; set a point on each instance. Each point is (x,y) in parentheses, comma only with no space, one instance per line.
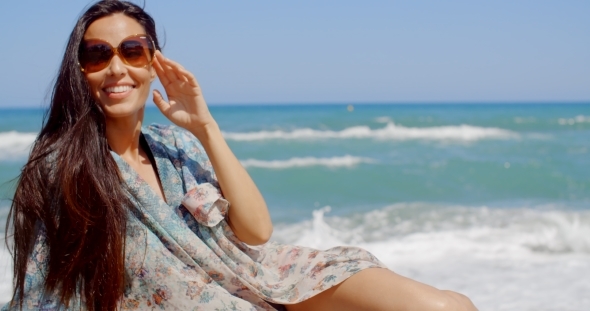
(491,200)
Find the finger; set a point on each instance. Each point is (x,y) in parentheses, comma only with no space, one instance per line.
(157,63)
(171,63)
(188,76)
(168,73)
(160,102)
(167,67)
(180,72)
(174,72)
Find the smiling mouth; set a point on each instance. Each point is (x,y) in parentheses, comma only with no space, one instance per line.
(118,89)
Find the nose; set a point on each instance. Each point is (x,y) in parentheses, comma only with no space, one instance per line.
(117,67)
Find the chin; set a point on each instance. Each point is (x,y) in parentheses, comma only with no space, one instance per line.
(120,110)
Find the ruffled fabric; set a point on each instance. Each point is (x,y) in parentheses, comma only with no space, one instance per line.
(206,204)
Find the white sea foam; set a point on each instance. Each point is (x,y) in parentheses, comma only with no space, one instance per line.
(391,131)
(539,231)
(15,145)
(503,259)
(344,161)
(574,120)
(5,274)
(5,259)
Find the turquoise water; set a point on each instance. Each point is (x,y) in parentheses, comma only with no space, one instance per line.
(403,154)
(492,200)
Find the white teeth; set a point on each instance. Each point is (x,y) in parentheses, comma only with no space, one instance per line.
(118,89)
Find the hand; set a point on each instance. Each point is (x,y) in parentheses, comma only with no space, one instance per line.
(186,106)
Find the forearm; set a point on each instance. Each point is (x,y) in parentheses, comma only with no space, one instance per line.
(248,215)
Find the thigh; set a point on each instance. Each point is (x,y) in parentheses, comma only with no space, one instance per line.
(377,289)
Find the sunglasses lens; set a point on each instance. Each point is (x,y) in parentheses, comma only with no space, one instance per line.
(95,57)
(137,52)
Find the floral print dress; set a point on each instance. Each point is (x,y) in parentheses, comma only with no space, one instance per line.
(182,255)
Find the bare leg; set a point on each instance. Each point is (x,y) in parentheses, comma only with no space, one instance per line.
(379,289)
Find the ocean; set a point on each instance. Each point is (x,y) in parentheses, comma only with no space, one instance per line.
(491,200)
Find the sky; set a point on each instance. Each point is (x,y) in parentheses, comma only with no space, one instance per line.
(325,51)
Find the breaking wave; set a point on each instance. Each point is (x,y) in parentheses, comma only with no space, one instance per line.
(344,161)
(391,131)
(15,145)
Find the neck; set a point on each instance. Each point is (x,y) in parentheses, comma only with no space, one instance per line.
(123,135)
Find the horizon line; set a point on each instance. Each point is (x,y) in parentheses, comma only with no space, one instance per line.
(360,103)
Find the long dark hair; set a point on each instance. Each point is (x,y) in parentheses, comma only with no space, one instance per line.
(71,189)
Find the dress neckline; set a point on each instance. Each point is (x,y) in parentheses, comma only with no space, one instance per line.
(147,143)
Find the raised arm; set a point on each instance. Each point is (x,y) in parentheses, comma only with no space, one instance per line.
(248,215)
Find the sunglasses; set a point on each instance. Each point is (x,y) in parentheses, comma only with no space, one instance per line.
(136,50)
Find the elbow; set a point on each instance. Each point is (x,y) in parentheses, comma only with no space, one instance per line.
(262,236)
(253,235)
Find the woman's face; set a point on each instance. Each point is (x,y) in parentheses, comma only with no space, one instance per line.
(121,89)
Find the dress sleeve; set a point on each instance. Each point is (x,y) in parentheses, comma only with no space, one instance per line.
(206,204)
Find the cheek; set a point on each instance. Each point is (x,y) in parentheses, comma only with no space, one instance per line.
(93,82)
(144,83)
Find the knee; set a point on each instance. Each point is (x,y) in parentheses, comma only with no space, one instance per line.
(455,302)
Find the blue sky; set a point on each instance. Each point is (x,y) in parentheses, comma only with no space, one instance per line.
(333,51)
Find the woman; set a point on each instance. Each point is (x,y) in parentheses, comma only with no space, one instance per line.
(110,215)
